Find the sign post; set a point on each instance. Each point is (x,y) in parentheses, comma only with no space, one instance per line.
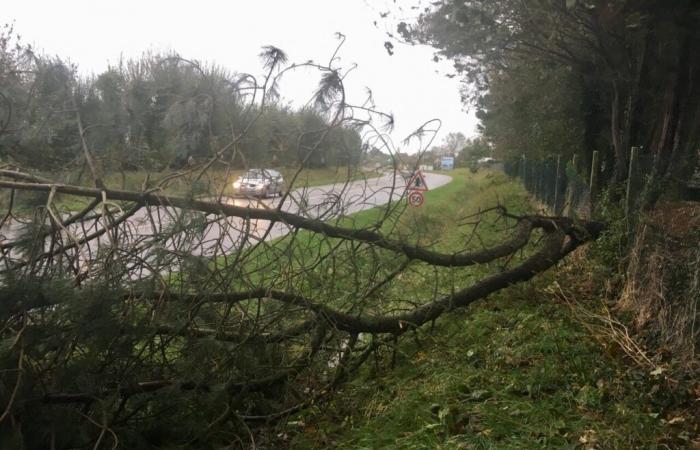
(447,163)
(415,187)
(415,199)
(417,182)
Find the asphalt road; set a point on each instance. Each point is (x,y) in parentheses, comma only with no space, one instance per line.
(318,202)
(169,228)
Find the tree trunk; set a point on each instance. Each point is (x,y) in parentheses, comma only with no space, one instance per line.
(617,140)
(678,123)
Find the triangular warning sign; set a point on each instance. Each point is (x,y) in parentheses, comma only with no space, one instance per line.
(417,182)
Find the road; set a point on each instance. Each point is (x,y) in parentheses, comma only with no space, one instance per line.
(318,202)
(170,228)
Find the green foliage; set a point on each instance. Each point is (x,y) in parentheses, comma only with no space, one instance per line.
(574,77)
(516,352)
(155,113)
(536,110)
(517,370)
(613,244)
(472,151)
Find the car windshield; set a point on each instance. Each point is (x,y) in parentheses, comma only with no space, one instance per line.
(252,175)
(259,174)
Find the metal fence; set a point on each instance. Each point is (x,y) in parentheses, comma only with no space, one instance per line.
(556,184)
(566,188)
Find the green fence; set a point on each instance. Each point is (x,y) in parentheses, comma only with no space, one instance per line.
(556,184)
(567,188)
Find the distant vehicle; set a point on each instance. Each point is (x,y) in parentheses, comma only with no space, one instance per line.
(486,160)
(259,183)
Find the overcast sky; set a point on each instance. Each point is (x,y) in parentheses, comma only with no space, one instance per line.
(94,33)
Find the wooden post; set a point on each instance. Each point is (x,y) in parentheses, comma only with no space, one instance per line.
(593,185)
(548,194)
(527,174)
(569,209)
(556,186)
(631,172)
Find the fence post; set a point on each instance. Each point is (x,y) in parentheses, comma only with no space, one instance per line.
(631,172)
(569,209)
(540,181)
(534,177)
(556,185)
(593,186)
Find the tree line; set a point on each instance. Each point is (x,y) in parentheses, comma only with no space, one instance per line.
(155,112)
(573,76)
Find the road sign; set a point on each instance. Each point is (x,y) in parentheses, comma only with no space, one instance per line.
(415,199)
(417,182)
(447,162)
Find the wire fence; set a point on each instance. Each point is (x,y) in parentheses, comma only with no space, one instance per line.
(556,184)
(564,188)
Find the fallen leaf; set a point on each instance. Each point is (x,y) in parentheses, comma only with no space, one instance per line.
(675,420)
(658,371)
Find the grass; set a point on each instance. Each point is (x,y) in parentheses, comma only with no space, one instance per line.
(517,370)
(438,224)
(514,371)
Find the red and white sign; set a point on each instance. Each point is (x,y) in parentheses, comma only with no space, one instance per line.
(415,199)
(417,182)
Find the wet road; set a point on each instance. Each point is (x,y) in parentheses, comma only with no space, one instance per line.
(184,232)
(318,202)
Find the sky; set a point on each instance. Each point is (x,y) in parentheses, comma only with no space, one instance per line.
(95,33)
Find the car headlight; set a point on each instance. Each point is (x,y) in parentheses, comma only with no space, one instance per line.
(236,184)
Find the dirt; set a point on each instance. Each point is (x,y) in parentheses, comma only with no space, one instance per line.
(678,219)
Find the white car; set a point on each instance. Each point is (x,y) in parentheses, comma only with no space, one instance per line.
(259,183)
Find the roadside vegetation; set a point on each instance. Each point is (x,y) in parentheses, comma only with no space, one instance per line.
(140,310)
(524,368)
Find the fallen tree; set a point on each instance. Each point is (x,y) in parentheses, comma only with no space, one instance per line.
(146,318)
(138,319)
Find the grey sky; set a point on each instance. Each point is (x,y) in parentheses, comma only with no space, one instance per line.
(93,33)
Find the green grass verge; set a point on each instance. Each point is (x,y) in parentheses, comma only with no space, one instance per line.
(514,371)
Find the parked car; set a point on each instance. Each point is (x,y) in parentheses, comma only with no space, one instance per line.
(259,183)
(486,161)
